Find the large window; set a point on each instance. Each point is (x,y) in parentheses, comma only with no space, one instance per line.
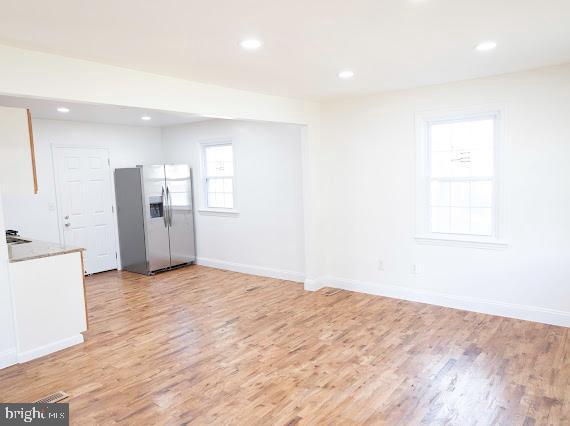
(218,175)
(458,168)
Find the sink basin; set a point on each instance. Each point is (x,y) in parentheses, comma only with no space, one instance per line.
(15,240)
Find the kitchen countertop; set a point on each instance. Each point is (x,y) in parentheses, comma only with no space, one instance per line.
(37,249)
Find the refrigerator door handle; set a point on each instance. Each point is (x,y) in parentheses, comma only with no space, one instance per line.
(169,201)
(164,208)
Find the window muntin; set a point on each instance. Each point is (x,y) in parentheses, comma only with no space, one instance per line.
(461,176)
(218,165)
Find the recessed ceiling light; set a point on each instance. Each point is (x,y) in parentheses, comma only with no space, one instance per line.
(346,74)
(146,118)
(485,46)
(251,44)
(63,110)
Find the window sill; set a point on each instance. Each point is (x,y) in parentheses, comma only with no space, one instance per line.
(218,212)
(461,241)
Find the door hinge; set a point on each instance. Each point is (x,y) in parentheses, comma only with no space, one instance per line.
(109,162)
(112,209)
(116,256)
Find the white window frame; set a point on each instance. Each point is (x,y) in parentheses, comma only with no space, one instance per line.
(217,211)
(424,235)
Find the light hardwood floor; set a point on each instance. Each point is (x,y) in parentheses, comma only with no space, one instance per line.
(207,346)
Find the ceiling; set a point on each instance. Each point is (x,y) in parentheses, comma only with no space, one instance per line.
(389,44)
(93,113)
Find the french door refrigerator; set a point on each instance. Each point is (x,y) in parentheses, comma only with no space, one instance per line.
(155,215)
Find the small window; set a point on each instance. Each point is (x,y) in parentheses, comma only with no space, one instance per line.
(218,176)
(458,168)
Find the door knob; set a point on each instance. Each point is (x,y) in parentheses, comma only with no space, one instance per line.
(67,217)
(67,224)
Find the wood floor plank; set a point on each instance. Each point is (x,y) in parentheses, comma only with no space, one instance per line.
(205,346)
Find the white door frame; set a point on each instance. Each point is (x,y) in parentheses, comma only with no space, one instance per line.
(57,187)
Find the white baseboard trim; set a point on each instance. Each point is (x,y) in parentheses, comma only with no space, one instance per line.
(484,306)
(252,269)
(8,358)
(49,348)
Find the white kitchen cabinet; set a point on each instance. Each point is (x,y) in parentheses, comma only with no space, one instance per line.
(49,302)
(17,158)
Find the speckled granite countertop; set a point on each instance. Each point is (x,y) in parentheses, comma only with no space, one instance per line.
(37,249)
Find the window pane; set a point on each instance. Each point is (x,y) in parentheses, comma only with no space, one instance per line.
(472,134)
(214,185)
(228,201)
(482,163)
(441,164)
(213,200)
(459,220)
(219,160)
(481,194)
(440,219)
(218,168)
(220,192)
(480,134)
(228,168)
(225,153)
(462,148)
(439,193)
(460,194)
(219,152)
(228,185)
(451,164)
(481,221)
(461,164)
(440,138)
(461,156)
(219,171)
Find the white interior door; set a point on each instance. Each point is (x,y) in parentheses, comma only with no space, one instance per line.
(83,181)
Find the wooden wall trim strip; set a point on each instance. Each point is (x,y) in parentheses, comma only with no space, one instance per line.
(32,151)
(84,291)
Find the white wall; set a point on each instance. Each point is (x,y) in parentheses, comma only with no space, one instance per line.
(269,179)
(267,236)
(370,161)
(35,216)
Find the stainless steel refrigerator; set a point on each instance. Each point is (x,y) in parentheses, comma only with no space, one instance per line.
(155,215)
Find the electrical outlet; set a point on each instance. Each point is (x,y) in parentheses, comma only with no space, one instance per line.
(380,265)
(417,268)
